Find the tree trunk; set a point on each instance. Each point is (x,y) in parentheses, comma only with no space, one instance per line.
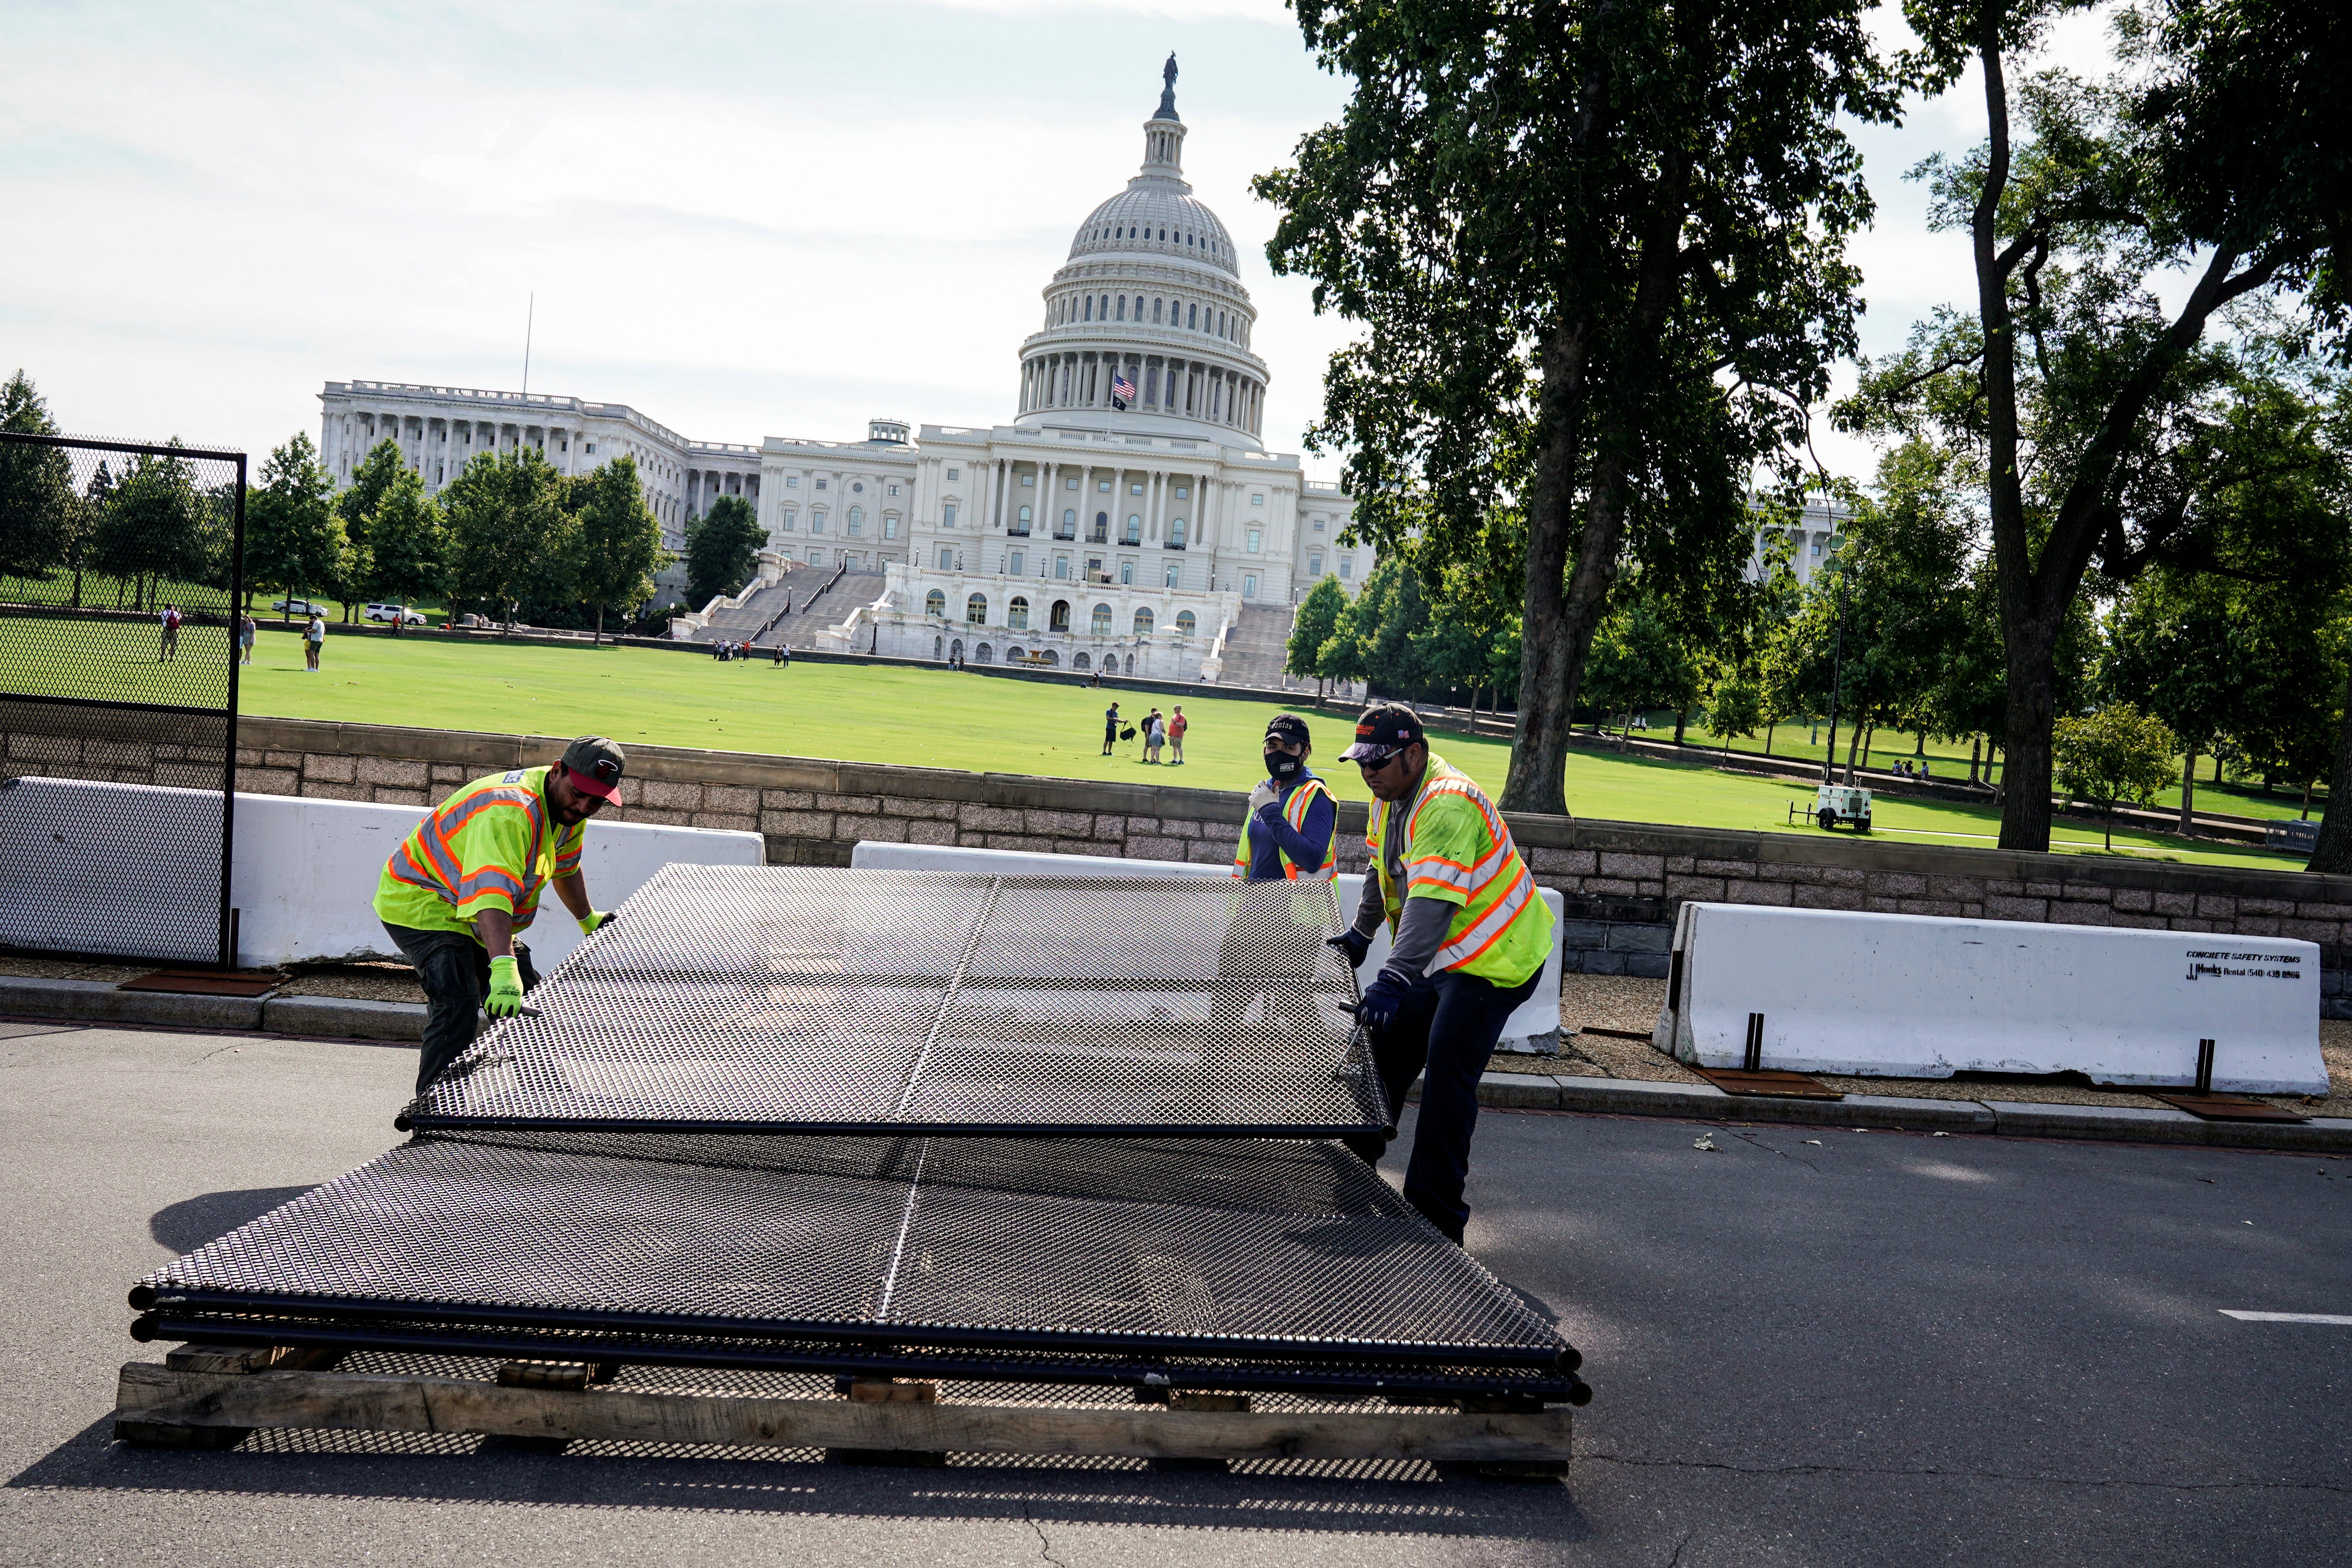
(2333,853)
(1553,654)
(598,640)
(1767,736)
(1976,753)
(2108,823)
(2306,800)
(1682,720)
(2189,792)
(1921,749)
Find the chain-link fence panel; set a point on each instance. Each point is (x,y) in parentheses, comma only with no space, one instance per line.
(796,999)
(120,573)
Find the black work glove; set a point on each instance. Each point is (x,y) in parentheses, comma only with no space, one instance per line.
(1352,942)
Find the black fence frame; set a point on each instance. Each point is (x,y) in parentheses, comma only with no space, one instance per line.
(226,958)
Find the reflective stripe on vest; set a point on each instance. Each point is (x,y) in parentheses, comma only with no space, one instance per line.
(1487,933)
(1294,811)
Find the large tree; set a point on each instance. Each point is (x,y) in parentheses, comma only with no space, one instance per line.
(407,545)
(723,548)
(2078,384)
(507,532)
(1311,628)
(38,509)
(1598,250)
(618,545)
(158,528)
(294,541)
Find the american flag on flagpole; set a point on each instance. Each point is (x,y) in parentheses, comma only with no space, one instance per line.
(1122,391)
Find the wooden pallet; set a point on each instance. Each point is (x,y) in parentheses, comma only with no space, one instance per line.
(210,1396)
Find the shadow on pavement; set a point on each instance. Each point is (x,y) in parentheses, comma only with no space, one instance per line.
(189,1224)
(1382,1499)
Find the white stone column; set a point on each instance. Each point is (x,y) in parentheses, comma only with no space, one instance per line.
(1152,513)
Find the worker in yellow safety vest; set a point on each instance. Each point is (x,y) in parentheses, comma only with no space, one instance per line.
(1470,933)
(1290,829)
(456,892)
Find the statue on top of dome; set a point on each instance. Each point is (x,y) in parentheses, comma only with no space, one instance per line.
(1168,93)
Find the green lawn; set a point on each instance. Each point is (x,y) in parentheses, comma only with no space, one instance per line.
(935,718)
(1950,760)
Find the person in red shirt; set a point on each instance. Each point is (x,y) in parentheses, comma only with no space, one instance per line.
(1177,725)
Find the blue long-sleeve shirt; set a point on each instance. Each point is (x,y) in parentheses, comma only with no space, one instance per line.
(1306,845)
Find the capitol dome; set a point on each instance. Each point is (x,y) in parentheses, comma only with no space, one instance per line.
(1147,324)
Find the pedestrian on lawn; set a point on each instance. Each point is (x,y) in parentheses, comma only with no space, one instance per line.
(314,641)
(171,620)
(245,631)
(1176,728)
(1110,727)
(1155,734)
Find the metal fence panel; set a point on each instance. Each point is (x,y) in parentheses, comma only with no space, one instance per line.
(795,999)
(122,567)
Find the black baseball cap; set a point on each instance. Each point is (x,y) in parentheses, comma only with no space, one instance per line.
(1382,730)
(595,764)
(1287,728)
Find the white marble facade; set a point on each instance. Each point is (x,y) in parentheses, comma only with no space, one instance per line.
(1098,524)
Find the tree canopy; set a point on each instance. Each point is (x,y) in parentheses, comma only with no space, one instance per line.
(294,539)
(2082,396)
(723,548)
(617,546)
(1598,248)
(507,532)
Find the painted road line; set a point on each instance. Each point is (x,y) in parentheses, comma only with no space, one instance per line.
(2341,1319)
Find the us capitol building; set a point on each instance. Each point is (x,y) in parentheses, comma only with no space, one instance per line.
(1127,518)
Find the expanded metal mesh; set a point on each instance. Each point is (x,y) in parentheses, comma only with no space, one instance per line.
(797,999)
(120,573)
(1290,1251)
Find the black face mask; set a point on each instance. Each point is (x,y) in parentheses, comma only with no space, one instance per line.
(1281,767)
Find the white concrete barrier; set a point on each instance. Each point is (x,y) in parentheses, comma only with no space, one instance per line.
(1535,1026)
(1921,996)
(303,872)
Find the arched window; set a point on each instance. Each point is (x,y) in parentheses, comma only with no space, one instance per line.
(1131,664)
(1142,622)
(955,648)
(1052,656)
(1185,623)
(857,522)
(1134,534)
(938,648)
(1080,662)
(1192,317)
(1138,307)
(1155,313)
(975,610)
(1176,531)
(1102,620)
(1012,655)
(935,602)
(1091,307)
(1016,616)
(1122,307)
(1106,307)
(1021,522)
(1069,529)
(1102,528)
(983,653)
(1058,618)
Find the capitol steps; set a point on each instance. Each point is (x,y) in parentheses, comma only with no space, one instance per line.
(1257,647)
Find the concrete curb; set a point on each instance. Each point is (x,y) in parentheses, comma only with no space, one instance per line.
(98,1001)
(2005,1118)
(343,1017)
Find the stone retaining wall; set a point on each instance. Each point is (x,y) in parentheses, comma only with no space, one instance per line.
(1621,882)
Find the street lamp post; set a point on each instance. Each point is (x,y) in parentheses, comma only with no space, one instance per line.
(1837,678)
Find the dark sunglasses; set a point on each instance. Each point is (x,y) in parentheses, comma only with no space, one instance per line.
(1366,765)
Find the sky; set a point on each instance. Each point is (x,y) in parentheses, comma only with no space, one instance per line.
(742,219)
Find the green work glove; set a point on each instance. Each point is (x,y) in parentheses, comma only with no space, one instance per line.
(595,920)
(506,988)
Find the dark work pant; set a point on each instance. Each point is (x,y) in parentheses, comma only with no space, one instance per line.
(455,971)
(1447,1026)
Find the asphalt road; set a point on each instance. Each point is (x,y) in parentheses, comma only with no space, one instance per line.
(1878,1348)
